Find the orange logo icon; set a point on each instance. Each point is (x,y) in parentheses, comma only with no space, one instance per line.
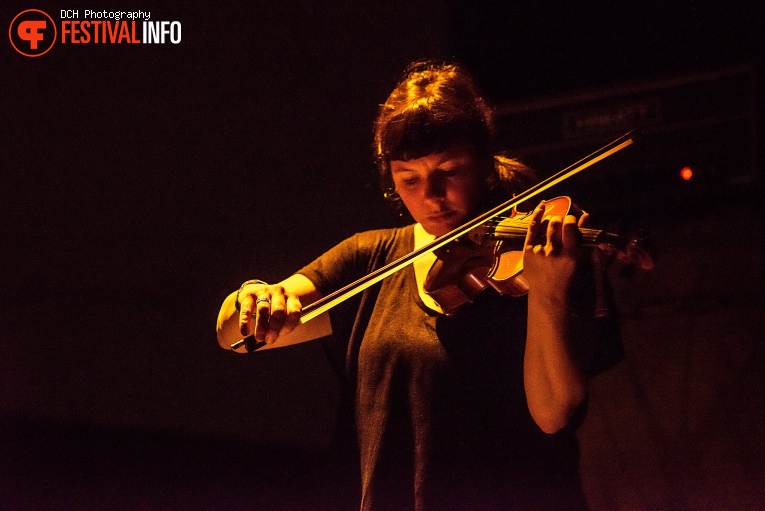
(32,33)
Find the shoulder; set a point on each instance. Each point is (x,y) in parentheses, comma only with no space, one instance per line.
(377,245)
(385,242)
(390,235)
(357,256)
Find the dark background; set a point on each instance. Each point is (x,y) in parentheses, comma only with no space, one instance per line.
(142,184)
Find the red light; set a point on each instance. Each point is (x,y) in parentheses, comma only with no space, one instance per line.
(686,173)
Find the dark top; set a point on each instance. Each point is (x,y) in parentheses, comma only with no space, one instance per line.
(439,403)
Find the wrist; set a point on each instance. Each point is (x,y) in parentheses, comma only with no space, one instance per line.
(246,283)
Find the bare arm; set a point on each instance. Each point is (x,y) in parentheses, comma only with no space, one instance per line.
(268,311)
(555,383)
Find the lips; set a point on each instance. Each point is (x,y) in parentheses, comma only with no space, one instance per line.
(440,217)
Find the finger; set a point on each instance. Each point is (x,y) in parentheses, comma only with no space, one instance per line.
(570,235)
(584,219)
(535,226)
(294,307)
(246,304)
(262,316)
(554,235)
(276,321)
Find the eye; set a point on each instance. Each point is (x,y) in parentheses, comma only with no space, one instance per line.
(451,171)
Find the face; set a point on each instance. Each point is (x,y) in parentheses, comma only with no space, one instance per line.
(440,190)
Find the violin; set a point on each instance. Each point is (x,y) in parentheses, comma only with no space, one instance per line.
(491,255)
(487,229)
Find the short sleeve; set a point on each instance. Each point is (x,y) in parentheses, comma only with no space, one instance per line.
(352,259)
(334,268)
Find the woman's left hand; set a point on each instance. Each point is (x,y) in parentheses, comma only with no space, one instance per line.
(550,253)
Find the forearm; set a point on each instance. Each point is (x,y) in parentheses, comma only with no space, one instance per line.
(554,380)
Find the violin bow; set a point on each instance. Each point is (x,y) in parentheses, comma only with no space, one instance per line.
(326,303)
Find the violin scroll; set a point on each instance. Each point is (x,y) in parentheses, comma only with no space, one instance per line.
(631,254)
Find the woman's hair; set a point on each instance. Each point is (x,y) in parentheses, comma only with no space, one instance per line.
(437,105)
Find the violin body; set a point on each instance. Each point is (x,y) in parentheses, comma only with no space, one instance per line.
(508,261)
(479,260)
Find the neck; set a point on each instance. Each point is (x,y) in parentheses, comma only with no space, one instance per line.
(422,266)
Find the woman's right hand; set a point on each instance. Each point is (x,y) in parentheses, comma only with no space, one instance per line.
(267,311)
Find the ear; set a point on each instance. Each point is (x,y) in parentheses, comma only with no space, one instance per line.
(391,195)
(386,180)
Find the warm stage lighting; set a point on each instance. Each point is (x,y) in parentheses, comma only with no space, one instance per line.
(686,173)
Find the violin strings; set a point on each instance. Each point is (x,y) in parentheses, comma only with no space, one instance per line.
(520,229)
(587,238)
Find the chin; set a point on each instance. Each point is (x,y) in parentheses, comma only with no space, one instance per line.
(439,230)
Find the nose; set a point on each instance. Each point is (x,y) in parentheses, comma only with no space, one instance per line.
(435,187)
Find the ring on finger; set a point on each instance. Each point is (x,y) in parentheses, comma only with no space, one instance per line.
(262,299)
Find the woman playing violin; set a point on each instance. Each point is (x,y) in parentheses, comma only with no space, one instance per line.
(475,410)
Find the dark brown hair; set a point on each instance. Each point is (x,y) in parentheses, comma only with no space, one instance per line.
(437,105)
